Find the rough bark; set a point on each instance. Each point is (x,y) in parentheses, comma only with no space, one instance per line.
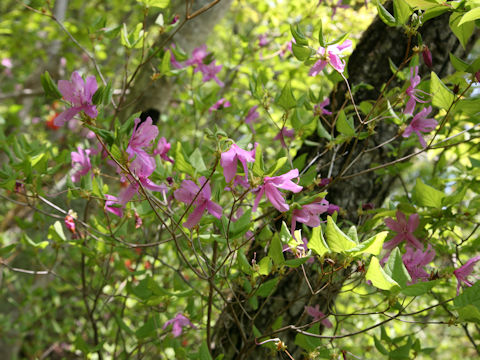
(234,335)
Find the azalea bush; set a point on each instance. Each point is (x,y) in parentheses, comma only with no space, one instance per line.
(131,234)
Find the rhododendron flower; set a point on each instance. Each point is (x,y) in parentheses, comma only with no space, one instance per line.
(143,136)
(178,323)
(79,93)
(421,124)
(319,109)
(309,214)
(332,208)
(404,231)
(464,271)
(220,104)
(7,63)
(412,91)
(198,54)
(187,192)
(330,55)
(111,200)
(415,259)
(262,40)
(285,132)
(80,163)
(270,188)
(252,115)
(427,56)
(132,189)
(317,315)
(210,72)
(70,221)
(163,147)
(229,160)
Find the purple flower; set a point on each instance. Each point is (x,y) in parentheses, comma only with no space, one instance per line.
(427,56)
(220,104)
(126,195)
(330,55)
(317,315)
(263,40)
(80,163)
(210,71)
(252,115)
(111,200)
(332,208)
(309,214)
(404,231)
(415,259)
(319,109)
(198,55)
(79,93)
(464,271)
(163,147)
(230,158)
(178,322)
(421,124)
(285,132)
(187,192)
(270,188)
(412,91)
(144,134)
(338,5)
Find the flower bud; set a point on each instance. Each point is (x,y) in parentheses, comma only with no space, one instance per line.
(427,56)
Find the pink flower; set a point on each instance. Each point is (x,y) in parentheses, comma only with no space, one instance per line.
(143,135)
(285,132)
(126,195)
(309,214)
(252,115)
(421,124)
(198,55)
(317,315)
(412,91)
(220,104)
(80,163)
(79,93)
(404,231)
(263,40)
(332,208)
(210,72)
(270,188)
(178,323)
(186,194)
(415,259)
(464,271)
(319,109)
(230,158)
(163,147)
(70,222)
(112,200)
(330,55)
(300,250)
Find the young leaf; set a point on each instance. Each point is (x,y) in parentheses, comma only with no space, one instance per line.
(50,88)
(371,246)
(276,251)
(442,97)
(321,39)
(462,32)
(345,126)
(336,239)
(402,11)
(378,277)
(286,98)
(385,16)
(301,52)
(471,15)
(427,196)
(317,242)
(396,270)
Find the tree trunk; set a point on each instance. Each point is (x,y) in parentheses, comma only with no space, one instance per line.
(234,331)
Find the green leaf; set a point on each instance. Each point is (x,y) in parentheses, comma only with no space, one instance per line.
(458,63)
(469,296)
(286,99)
(321,39)
(103,94)
(345,126)
(243,262)
(278,165)
(379,346)
(378,277)
(267,287)
(462,32)
(469,106)
(471,15)
(204,354)
(322,132)
(40,245)
(50,88)
(396,270)
(276,251)
(296,262)
(372,245)
(301,52)
(442,97)
(469,313)
(241,226)
(336,239)
(55,232)
(165,65)
(422,4)
(265,266)
(285,235)
(385,16)
(427,196)
(402,11)
(147,330)
(317,242)
(155,3)
(180,163)
(419,288)
(196,160)
(298,35)
(258,167)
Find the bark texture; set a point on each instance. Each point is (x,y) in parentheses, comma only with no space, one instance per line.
(234,331)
